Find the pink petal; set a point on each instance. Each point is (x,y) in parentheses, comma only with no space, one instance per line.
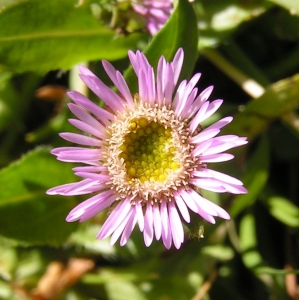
(128,229)
(183,208)
(84,116)
(87,128)
(99,112)
(216,157)
(217,175)
(97,177)
(118,214)
(148,232)
(166,230)
(118,231)
(80,139)
(177,64)
(140,217)
(157,221)
(176,226)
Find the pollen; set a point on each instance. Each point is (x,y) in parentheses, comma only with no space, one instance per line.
(148,151)
(147,154)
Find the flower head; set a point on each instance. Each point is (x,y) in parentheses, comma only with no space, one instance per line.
(155,13)
(146,155)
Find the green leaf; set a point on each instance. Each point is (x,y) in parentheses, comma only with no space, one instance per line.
(284,210)
(255,178)
(278,99)
(219,252)
(123,290)
(273,271)
(219,19)
(248,242)
(27,214)
(8,99)
(46,35)
(179,31)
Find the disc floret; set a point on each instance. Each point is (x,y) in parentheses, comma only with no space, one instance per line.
(150,153)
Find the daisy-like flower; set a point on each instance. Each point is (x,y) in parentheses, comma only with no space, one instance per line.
(155,13)
(146,155)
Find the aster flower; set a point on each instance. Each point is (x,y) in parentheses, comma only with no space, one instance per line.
(146,155)
(155,13)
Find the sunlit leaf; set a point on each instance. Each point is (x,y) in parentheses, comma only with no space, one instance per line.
(219,19)
(56,34)
(284,210)
(278,99)
(220,252)
(291,5)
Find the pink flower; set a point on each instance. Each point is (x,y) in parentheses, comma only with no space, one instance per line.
(146,157)
(155,12)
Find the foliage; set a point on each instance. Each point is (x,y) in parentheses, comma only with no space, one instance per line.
(249,51)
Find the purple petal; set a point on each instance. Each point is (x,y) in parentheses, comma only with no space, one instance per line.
(166,230)
(118,214)
(199,101)
(188,200)
(102,114)
(183,208)
(87,128)
(119,82)
(124,89)
(208,184)
(80,139)
(140,216)
(85,155)
(216,157)
(93,204)
(204,135)
(184,95)
(97,177)
(176,226)
(202,147)
(148,232)
(91,211)
(120,228)
(202,203)
(128,229)
(103,92)
(82,187)
(91,169)
(84,116)
(217,175)
(157,221)
(220,211)
(177,64)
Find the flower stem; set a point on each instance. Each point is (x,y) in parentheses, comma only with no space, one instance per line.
(250,86)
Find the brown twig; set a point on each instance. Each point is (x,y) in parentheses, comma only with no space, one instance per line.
(291,284)
(59,277)
(206,285)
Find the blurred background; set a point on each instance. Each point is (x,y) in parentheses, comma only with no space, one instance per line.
(249,51)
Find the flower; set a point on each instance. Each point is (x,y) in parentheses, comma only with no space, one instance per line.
(155,12)
(146,155)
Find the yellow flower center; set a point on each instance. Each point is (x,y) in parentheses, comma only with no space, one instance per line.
(148,151)
(147,154)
